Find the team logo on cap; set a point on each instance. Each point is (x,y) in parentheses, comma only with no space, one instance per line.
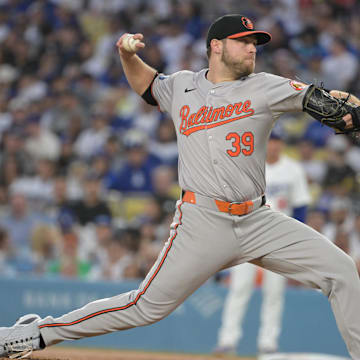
(247,23)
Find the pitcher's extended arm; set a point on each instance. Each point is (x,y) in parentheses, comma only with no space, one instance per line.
(138,73)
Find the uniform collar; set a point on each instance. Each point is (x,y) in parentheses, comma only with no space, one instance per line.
(204,84)
(207,85)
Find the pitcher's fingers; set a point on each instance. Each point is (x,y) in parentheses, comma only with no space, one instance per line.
(140,45)
(119,42)
(121,38)
(139,36)
(348,120)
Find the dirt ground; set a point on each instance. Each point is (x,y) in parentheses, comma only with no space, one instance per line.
(61,353)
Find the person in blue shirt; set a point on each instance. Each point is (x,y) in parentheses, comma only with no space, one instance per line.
(135,176)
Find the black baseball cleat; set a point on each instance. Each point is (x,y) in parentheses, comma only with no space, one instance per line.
(21,339)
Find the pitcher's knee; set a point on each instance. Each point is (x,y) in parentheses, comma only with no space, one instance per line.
(152,316)
(151,312)
(345,274)
(347,268)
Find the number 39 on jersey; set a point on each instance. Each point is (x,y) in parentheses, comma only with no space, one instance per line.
(241,143)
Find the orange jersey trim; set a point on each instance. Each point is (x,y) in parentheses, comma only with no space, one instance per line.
(105,311)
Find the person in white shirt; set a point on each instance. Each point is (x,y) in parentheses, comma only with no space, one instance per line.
(41,143)
(92,139)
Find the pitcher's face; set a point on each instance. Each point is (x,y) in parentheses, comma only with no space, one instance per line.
(239,55)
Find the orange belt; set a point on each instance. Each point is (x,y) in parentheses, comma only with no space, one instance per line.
(233,208)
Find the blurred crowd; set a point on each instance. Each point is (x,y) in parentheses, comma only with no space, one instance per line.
(88,170)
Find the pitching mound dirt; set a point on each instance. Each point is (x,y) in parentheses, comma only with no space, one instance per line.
(61,353)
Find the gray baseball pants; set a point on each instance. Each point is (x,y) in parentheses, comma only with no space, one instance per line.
(203,241)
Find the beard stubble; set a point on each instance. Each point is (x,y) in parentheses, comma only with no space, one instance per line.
(237,68)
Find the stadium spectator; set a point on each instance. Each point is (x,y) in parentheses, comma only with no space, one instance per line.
(311,72)
(306,46)
(317,134)
(46,242)
(94,239)
(75,175)
(339,58)
(37,188)
(340,178)
(13,151)
(148,248)
(342,241)
(87,89)
(135,174)
(91,140)
(173,44)
(164,146)
(41,143)
(68,264)
(9,173)
(285,64)
(31,89)
(67,156)
(119,263)
(60,198)
(154,57)
(148,119)
(313,166)
(91,205)
(316,219)
(340,219)
(166,191)
(67,116)
(19,222)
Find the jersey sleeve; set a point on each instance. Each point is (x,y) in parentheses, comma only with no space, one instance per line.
(300,195)
(284,95)
(162,90)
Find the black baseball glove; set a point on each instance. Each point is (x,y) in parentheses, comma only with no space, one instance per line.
(329,110)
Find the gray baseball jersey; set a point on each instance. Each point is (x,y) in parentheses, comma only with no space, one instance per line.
(223,128)
(222,131)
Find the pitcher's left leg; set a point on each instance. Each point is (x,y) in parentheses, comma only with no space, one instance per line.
(315,261)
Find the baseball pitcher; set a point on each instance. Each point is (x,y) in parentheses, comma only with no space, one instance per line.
(223,116)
